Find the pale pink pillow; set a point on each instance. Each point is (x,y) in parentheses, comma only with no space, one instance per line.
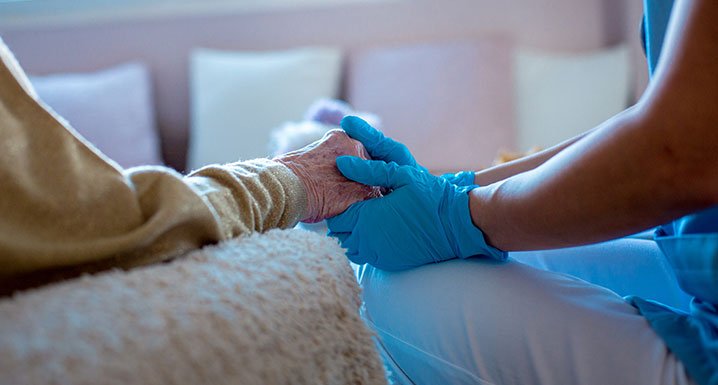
(450,103)
(111,108)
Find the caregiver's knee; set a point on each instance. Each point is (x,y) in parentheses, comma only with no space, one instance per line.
(455,289)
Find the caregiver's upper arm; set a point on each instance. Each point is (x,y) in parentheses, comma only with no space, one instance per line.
(681,105)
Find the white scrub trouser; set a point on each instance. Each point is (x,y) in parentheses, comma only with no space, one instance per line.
(526,321)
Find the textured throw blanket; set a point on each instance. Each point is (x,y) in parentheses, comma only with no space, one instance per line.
(274,308)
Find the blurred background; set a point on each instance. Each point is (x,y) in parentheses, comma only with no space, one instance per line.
(190,82)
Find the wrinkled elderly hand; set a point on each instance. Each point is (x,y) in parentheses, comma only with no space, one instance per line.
(328,192)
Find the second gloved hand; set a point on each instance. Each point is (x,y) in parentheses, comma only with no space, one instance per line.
(461,178)
(425,219)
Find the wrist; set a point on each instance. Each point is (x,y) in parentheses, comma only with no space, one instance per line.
(308,204)
(461,178)
(479,212)
(469,239)
(466,178)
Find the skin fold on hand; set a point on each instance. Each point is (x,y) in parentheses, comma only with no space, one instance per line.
(328,192)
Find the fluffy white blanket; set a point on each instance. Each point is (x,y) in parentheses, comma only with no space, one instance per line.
(276,308)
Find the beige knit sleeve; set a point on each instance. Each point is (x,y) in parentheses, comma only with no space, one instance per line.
(253,195)
(65,209)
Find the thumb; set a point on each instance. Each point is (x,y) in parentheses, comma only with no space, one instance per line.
(377,145)
(375,172)
(357,128)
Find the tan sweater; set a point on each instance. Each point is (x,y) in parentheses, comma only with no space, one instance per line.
(66,209)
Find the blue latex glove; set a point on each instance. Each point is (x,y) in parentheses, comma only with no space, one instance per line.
(425,218)
(383,148)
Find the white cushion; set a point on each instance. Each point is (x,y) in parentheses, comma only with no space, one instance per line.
(111,108)
(239,97)
(562,95)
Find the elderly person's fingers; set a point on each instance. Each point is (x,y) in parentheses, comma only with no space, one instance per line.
(328,191)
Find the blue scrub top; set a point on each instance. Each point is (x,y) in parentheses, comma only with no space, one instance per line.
(656,14)
(691,246)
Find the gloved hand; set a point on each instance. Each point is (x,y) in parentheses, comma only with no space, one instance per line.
(380,147)
(425,218)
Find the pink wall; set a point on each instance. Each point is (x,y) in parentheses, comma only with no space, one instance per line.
(164,43)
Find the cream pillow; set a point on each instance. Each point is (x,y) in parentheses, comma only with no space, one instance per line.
(237,98)
(562,95)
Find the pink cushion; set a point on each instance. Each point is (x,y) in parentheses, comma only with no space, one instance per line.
(112,109)
(450,103)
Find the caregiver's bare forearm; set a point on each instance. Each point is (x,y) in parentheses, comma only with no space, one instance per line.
(498,173)
(587,193)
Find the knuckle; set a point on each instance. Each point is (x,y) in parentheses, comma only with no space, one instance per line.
(336,134)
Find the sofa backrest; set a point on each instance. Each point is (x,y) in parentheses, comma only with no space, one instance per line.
(164,43)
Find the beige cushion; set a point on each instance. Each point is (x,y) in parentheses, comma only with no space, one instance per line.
(450,103)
